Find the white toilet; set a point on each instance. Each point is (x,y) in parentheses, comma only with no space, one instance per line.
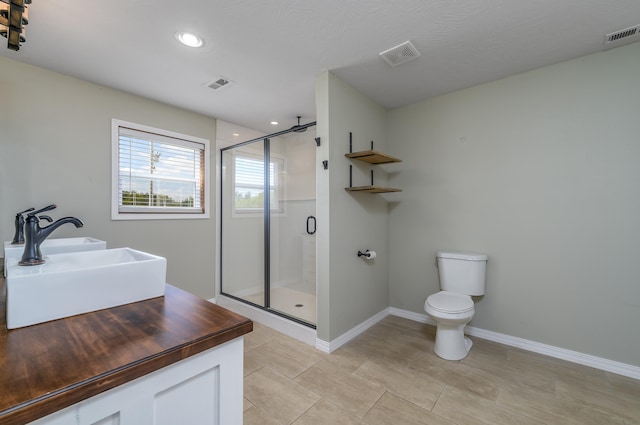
(462,274)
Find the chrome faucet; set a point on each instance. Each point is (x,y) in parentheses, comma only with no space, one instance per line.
(35,235)
(18,236)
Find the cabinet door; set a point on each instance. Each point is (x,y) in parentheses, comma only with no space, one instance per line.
(194,401)
(187,392)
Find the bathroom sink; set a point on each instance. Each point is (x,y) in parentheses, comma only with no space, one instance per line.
(54,246)
(81,282)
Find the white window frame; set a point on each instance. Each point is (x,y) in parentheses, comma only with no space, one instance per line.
(158,213)
(278,186)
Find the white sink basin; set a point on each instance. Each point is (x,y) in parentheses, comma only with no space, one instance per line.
(54,246)
(81,282)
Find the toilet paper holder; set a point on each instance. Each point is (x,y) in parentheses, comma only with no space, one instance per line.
(367,255)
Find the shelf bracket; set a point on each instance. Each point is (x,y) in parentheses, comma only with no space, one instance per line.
(372,157)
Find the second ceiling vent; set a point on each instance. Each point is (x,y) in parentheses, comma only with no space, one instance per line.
(623,36)
(400,54)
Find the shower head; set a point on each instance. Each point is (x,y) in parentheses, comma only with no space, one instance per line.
(298,128)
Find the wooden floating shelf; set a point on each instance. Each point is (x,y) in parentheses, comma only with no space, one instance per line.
(372,189)
(373,157)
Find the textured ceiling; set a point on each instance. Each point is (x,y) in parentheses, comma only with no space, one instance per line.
(273,50)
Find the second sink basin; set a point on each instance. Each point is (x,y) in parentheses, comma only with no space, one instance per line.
(81,282)
(54,246)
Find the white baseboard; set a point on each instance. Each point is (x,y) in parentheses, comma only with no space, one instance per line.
(536,347)
(308,336)
(334,344)
(416,317)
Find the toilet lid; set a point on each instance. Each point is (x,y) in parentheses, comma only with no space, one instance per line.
(450,302)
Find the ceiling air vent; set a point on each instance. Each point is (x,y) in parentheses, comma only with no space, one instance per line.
(400,54)
(627,35)
(218,83)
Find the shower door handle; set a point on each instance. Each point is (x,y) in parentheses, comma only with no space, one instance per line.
(309,230)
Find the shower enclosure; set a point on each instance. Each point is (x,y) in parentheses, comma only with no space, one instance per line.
(268,207)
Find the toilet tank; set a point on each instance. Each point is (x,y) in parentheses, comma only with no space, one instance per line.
(462,272)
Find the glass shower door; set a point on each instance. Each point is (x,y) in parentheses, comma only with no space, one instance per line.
(292,226)
(268,256)
(242,265)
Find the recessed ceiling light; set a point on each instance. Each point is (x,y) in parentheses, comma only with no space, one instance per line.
(274,122)
(236,134)
(190,39)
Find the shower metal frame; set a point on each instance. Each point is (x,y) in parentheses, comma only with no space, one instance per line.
(267,222)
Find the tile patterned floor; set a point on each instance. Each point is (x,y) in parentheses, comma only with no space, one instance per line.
(389,375)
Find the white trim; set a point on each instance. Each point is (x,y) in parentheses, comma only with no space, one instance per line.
(612,366)
(279,162)
(166,214)
(559,353)
(280,324)
(416,317)
(292,329)
(334,344)
(323,345)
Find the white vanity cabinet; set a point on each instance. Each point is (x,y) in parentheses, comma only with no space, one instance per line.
(204,389)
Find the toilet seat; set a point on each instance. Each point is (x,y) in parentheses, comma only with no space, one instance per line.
(449,302)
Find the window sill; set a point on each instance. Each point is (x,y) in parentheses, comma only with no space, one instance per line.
(159,216)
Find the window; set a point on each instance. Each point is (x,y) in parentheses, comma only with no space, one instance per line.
(157,174)
(249,183)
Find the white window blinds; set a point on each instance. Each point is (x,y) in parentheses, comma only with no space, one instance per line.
(159,174)
(249,182)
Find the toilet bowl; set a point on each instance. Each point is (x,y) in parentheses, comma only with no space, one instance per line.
(462,275)
(452,312)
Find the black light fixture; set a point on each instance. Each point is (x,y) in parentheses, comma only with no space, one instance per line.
(14,16)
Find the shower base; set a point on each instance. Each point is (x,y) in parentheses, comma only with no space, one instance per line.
(291,302)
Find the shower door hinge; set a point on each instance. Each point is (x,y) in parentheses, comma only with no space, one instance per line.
(317,141)
(325,164)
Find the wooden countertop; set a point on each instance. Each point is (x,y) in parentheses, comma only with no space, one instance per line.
(49,366)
